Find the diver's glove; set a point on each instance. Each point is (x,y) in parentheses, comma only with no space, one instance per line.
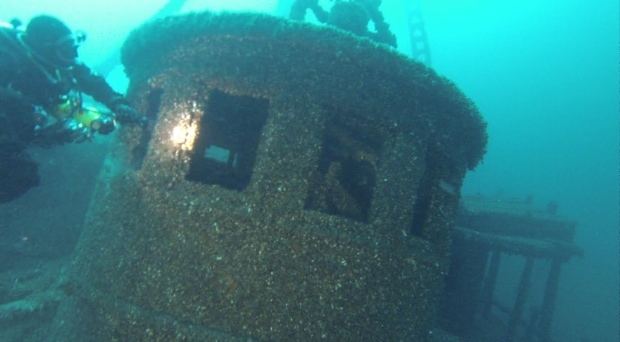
(74,131)
(127,115)
(104,124)
(62,132)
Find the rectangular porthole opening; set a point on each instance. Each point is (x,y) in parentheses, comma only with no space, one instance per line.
(344,181)
(227,142)
(153,106)
(424,197)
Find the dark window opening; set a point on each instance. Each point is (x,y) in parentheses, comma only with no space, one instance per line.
(226,146)
(153,106)
(344,182)
(422,205)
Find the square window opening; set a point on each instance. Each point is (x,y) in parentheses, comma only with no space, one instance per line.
(344,181)
(227,142)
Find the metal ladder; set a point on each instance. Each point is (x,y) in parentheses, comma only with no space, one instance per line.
(420,50)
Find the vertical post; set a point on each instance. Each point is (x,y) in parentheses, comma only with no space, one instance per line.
(463,284)
(488,288)
(548,306)
(517,310)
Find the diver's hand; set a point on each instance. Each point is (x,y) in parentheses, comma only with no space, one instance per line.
(127,115)
(104,125)
(62,132)
(74,131)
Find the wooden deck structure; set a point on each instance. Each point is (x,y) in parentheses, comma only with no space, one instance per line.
(486,231)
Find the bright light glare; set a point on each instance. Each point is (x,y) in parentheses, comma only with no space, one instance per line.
(184,135)
(179,135)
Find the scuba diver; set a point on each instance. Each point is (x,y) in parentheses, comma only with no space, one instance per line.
(41,87)
(349,15)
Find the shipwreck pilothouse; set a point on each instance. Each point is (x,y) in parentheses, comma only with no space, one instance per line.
(297,183)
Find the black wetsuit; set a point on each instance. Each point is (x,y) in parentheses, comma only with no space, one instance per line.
(26,83)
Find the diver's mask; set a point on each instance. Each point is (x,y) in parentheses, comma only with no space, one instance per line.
(65,48)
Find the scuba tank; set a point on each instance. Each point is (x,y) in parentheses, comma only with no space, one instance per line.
(98,121)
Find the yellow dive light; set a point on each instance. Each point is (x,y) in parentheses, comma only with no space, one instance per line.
(95,119)
(91,117)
